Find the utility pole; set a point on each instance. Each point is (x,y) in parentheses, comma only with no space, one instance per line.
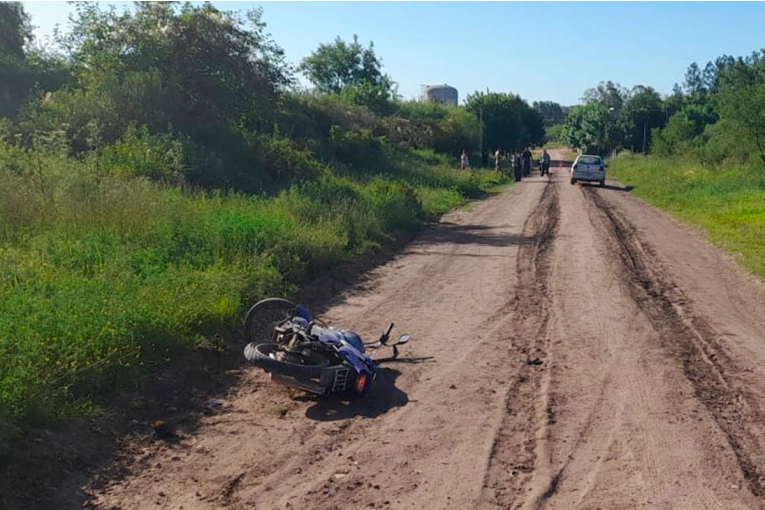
(480,138)
(644,127)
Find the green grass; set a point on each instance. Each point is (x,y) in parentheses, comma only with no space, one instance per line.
(102,276)
(728,203)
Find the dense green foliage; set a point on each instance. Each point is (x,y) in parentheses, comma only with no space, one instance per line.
(552,113)
(162,172)
(613,117)
(510,123)
(728,203)
(716,116)
(336,66)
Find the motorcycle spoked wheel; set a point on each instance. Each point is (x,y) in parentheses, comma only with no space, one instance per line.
(273,358)
(263,316)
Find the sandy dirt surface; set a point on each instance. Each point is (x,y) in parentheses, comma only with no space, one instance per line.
(648,392)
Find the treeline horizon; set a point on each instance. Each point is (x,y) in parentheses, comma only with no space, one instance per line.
(716,116)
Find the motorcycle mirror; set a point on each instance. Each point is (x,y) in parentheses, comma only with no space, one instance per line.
(403,339)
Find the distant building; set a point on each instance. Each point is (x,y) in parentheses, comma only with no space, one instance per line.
(442,94)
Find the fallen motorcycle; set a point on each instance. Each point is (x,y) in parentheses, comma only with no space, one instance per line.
(302,352)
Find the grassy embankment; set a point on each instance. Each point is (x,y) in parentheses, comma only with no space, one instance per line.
(728,203)
(102,276)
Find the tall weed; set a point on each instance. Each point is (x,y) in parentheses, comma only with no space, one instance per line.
(728,201)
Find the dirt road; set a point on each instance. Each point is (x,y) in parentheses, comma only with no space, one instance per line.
(650,391)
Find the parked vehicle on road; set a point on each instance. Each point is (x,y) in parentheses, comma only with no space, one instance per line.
(589,167)
(302,352)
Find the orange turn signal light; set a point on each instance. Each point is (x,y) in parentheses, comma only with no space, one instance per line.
(361,382)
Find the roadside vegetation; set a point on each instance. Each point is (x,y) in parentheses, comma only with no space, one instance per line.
(727,202)
(698,153)
(159,171)
(716,118)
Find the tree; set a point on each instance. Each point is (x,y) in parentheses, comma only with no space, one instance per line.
(674,137)
(604,122)
(24,71)
(15,30)
(646,111)
(445,129)
(551,112)
(713,70)
(212,78)
(193,68)
(694,80)
(596,128)
(14,76)
(608,94)
(509,122)
(742,101)
(333,67)
(675,101)
(377,97)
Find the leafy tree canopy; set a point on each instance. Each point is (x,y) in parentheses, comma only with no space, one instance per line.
(335,66)
(509,122)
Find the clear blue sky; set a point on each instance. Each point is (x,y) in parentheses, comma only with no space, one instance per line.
(540,50)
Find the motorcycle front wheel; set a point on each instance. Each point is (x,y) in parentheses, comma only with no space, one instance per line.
(274,358)
(263,316)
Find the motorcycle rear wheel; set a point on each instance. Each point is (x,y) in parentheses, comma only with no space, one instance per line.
(273,358)
(263,316)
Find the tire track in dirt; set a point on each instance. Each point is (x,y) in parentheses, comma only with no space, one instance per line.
(511,462)
(629,431)
(689,337)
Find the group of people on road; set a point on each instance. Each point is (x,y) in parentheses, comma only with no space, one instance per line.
(519,160)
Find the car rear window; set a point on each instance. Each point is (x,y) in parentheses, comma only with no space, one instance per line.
(589,160)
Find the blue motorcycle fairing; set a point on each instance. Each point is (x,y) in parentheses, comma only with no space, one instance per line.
(346,343)
(362,364)
(353,339)
(358,361)
(303,312)
(334,336)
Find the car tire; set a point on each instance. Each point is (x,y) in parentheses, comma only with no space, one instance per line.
(602,183)
(573,181)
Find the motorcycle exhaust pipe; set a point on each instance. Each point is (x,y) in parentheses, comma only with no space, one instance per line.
(308,386)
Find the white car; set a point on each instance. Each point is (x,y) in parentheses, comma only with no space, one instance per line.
(587,167)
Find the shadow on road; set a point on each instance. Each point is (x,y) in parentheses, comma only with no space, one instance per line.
(49,467)
(383,397)
(450,233)
(608,186)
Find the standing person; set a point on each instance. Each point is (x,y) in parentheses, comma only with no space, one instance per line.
(497,158)
(464,162)
(516,166)
(545,169)
(526,157)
